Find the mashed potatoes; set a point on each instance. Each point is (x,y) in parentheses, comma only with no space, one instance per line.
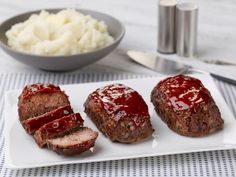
(65,33)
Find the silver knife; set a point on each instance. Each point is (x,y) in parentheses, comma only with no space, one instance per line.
(166,66)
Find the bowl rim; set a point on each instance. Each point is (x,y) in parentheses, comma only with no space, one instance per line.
(121,35)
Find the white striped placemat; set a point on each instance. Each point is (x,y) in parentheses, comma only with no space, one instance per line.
(213,163)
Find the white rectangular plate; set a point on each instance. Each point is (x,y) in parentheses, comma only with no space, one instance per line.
(22,152)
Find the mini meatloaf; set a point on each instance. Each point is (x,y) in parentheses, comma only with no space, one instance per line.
(120,113)
(186,106)
(37,99)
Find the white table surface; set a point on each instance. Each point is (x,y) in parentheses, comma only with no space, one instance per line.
(217,38)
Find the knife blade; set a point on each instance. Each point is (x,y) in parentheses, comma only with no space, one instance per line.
(167,66)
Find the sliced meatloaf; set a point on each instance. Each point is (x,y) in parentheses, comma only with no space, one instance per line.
(120,113)
(58,128)
(75,143)
(34,123)
(37,99)
(186,106)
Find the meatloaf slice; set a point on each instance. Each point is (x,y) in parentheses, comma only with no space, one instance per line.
(75,143)
(58,128)
(37,99)
(186,106)
(34,123)
(120,113)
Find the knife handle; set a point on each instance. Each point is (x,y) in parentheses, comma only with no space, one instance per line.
(222,78)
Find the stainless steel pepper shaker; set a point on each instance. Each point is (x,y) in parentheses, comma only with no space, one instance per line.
(166,26)
(186,29)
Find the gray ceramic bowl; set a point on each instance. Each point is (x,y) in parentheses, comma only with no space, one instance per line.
(63,63)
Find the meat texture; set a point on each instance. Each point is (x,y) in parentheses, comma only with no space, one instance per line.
(120,113)
(34,123)
(37,99)
(45,112)
(58,128)
(186,106)
(75,143)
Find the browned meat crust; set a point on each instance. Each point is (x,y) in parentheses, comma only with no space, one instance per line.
(45,111)
(58,128)
(120,113)
(186,106)
(34,123)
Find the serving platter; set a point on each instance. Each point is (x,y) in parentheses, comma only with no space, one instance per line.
(22,152)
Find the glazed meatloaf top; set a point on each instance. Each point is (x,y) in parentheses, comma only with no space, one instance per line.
(33,89)
(183,92)
(34,123)
(186,106)
(58,128)
(120,101)
(37,99)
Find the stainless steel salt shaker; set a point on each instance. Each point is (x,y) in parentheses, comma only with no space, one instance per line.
(166,26)
(186,29)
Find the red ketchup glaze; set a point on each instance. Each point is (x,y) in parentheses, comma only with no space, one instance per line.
(184,92)
(33,124)
(30,90)
(63,124)
(121,102)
